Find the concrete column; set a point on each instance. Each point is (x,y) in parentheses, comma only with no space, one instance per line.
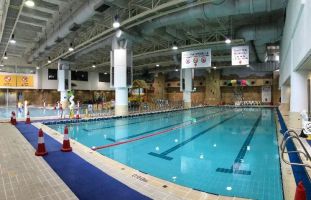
(120,62)
(64,81)
(188,87)
(298,92)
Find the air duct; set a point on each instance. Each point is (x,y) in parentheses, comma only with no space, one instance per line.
(86,11)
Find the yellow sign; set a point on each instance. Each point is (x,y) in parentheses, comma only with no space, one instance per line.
(24,81)
(7,80)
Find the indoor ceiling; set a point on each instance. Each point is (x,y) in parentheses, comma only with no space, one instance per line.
(49,28)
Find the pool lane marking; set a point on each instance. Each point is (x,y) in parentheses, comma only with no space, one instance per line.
(158,129)
(94,129)
(163,155)
(235,168)
(149,135)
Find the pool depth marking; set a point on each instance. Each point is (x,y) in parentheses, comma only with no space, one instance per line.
(235,168)
(158,129)
(163,155)
(149,135)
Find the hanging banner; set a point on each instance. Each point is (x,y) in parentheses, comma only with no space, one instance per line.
(240,55)
(7,80)
(24,81)
(196,59)
(266,94)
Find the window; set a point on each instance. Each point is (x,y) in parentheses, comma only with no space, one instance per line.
(104,77)
(52,74)
(79,76)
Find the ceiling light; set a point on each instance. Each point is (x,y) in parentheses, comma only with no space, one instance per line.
(116,23)
(277,70)
(29,3)
(49,60)
(1,65)
(227,41)
(105,73)
(247,65)
(12,41)
(37,67)
(214,67)
(157,65)
(5,57)
(176,70)
(93,65)
(174,47)
(71,47)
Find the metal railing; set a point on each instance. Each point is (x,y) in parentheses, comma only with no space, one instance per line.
(292,135)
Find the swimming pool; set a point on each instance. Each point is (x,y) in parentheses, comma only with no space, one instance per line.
(226,151)
(5,112)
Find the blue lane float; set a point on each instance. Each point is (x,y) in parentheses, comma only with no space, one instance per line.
(85,180)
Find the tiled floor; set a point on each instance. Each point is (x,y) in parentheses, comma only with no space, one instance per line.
(24,175)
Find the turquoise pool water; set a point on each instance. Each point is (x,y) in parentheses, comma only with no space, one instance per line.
(226,151)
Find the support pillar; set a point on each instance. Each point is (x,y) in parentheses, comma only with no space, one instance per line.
(121,66)
(188,87)
(298,92)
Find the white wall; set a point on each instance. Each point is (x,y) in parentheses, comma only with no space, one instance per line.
(296,43)
(91,84)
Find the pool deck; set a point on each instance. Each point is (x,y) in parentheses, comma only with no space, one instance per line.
(22,172)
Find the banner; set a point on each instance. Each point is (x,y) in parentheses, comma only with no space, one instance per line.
(196,59)
(24,81)
(240,55)
(7,80)
(266,94)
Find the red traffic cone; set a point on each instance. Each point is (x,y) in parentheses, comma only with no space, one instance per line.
(66,143)
(78,115)
(28,118)
(41,146)
(300,192)
(14,118)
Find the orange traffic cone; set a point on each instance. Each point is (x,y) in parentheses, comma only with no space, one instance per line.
(300,192)
(41,146)
(66,143)
(14,119)
(28,118)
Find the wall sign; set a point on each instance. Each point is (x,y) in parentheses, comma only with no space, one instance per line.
(266,94)
(240,55)
(24,81)
(12,80)
(196,59)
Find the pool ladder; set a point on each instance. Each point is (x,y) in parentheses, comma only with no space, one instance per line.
(292,135)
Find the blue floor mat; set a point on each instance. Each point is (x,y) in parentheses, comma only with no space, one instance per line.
(84,179)
(300,172)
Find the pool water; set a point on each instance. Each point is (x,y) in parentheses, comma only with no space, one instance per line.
(226,151)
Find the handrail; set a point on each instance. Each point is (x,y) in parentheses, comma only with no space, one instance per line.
(291,135)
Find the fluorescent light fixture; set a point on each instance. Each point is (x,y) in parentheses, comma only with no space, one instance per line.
(174,47)
(5,57)
(118,33)
(277,70)
(157,65)
(12,40)
(29,3)
(1,65)
(71,47)
(116,23)
(228,41)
